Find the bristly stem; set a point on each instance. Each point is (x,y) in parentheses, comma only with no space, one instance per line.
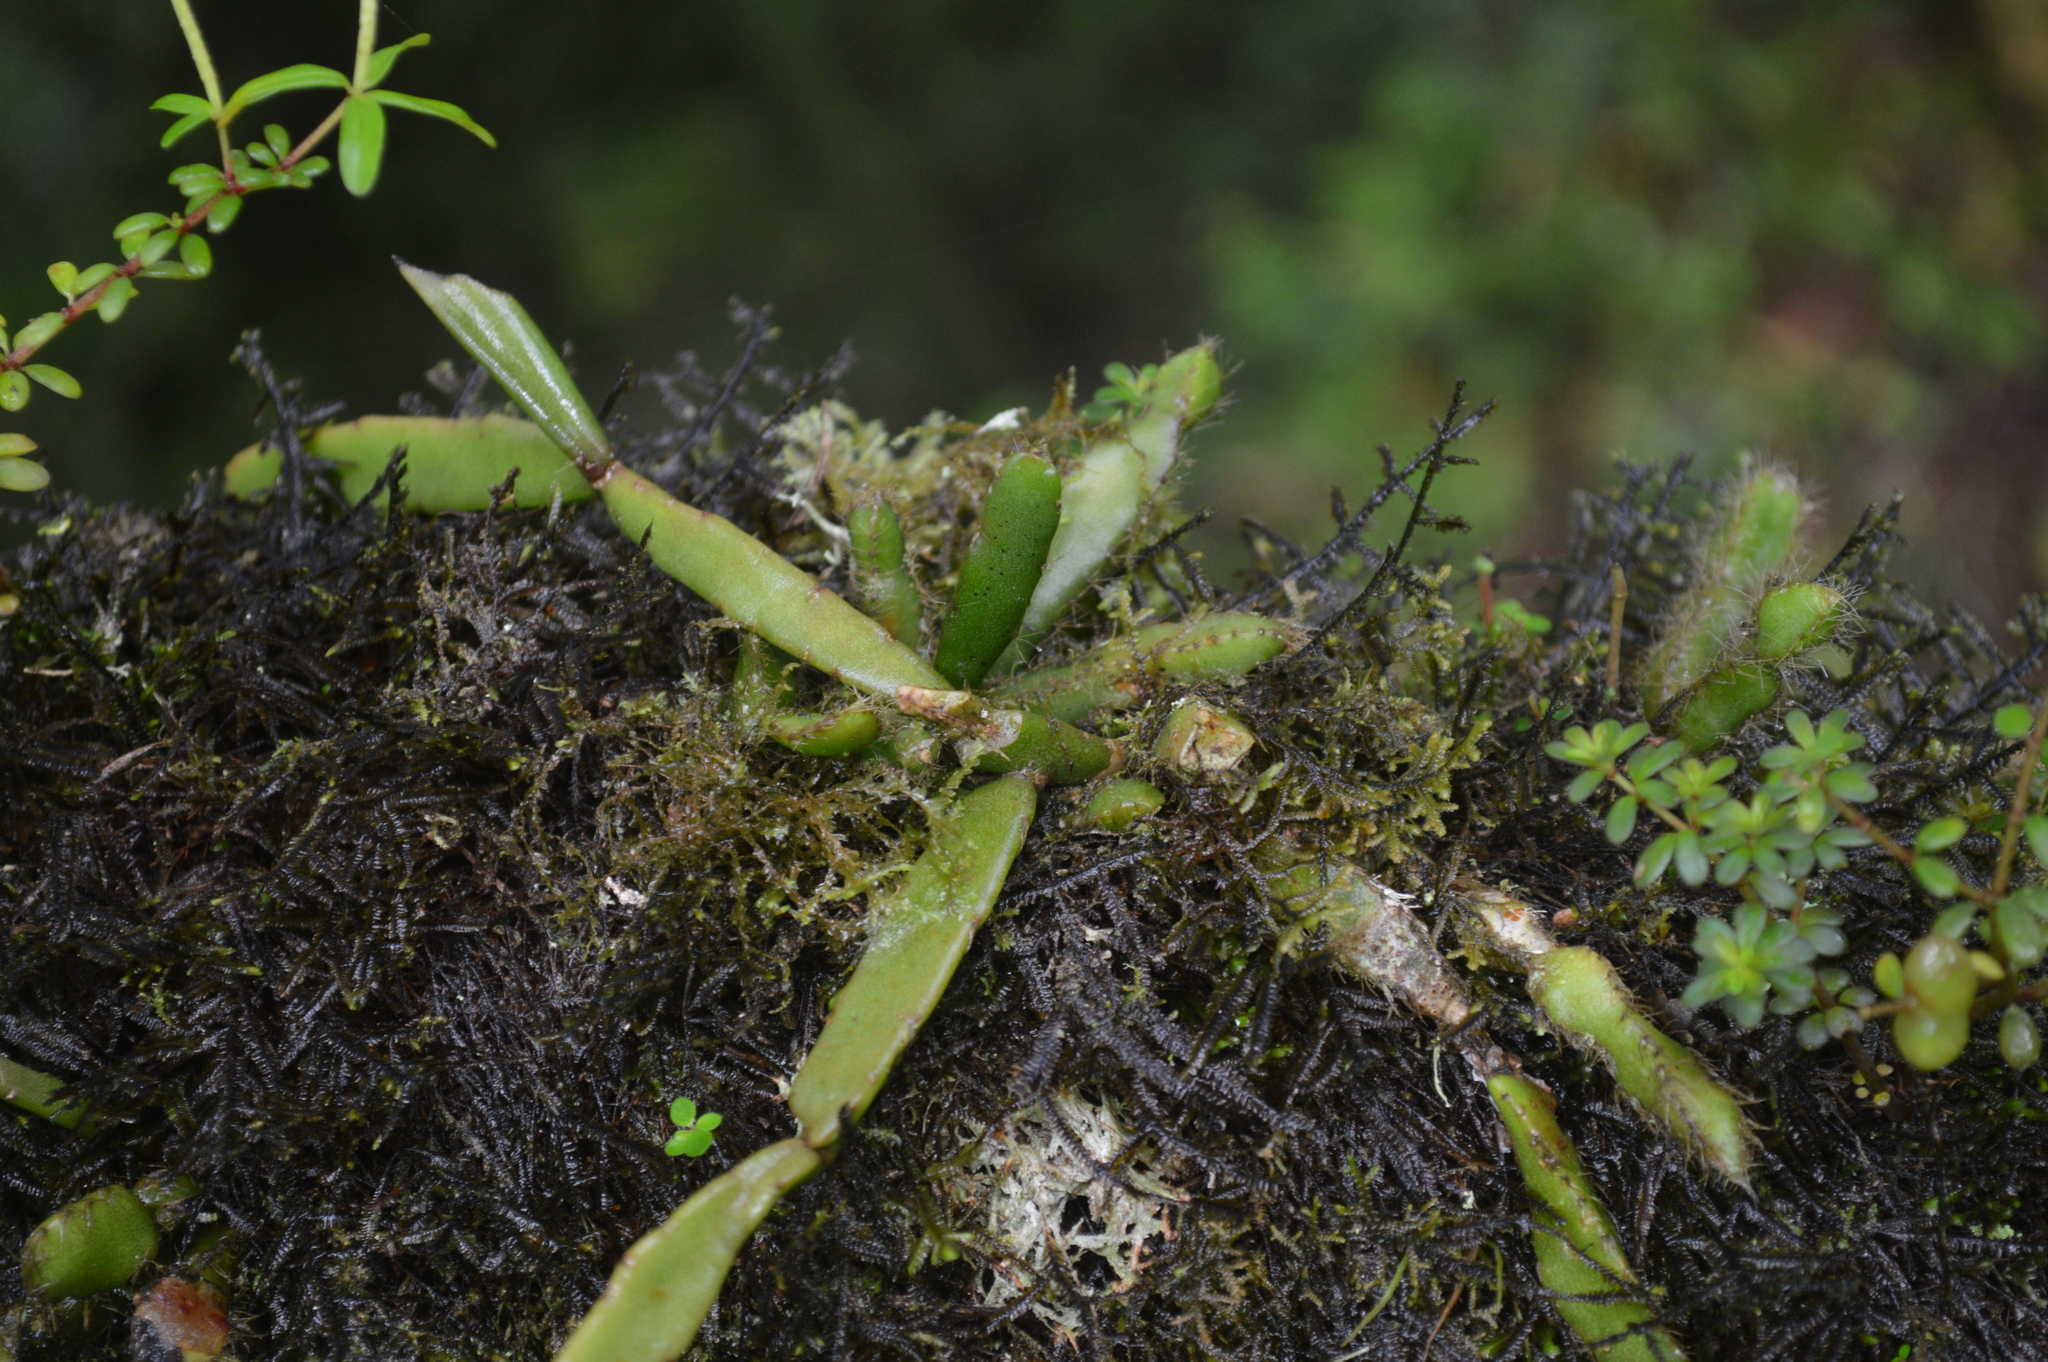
(201,58)
(366,40)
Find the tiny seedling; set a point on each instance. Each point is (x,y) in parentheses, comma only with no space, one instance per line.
(694,1133)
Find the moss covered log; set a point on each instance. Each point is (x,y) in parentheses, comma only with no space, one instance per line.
(389,875)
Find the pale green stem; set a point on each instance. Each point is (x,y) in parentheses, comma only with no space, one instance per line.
(366,42)
(201,58)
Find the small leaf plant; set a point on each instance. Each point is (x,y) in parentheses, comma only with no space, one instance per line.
(694,1131)
(1799,820)
(169,246)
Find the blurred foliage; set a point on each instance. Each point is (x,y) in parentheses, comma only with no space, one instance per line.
(1656,227)
(1645,226)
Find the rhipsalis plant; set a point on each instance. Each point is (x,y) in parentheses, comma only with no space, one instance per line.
(1080,957)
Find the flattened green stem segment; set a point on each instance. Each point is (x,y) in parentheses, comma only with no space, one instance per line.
(668,1281)
(1108,486)
(95,1243)
(881,579)
(759,588)
(748,581)
(916,938)
(1578,1252)
(493,327)
(1002,570)
(451,465)
(35,1093)
(1590,1005)
(1113,676)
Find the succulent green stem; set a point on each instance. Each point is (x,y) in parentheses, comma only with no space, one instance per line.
(1108,486)
(668,1281)
(452,464)
(1114,675)
(880,576)
(916,938)
(93,1244)
(745,579)
(1750,536)
(1002,569)
(1578,1252)
(1583,996)
(35,1093)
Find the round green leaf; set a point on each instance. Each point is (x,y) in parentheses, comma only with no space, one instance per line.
(1940,835)
(197,255)
(695,1142)
(1937,877)
(115,300)
(23,475)
(710,1120)
(13,391)
(138,222)
(2013,721)
(683,1112)
(223,215)
(64,278)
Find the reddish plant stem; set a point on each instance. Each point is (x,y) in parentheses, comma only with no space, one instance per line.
(132,266)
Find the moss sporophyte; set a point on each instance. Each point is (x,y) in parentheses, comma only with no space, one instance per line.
(1231,848)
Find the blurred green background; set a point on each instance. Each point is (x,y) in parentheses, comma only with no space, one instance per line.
(1646,226)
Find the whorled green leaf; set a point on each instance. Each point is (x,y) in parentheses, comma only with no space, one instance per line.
(191,110)
(434,108)
(361,148)
(304,76)
(39,330)
(382,60)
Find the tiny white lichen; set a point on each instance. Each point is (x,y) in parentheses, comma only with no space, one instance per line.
(1032,1186)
